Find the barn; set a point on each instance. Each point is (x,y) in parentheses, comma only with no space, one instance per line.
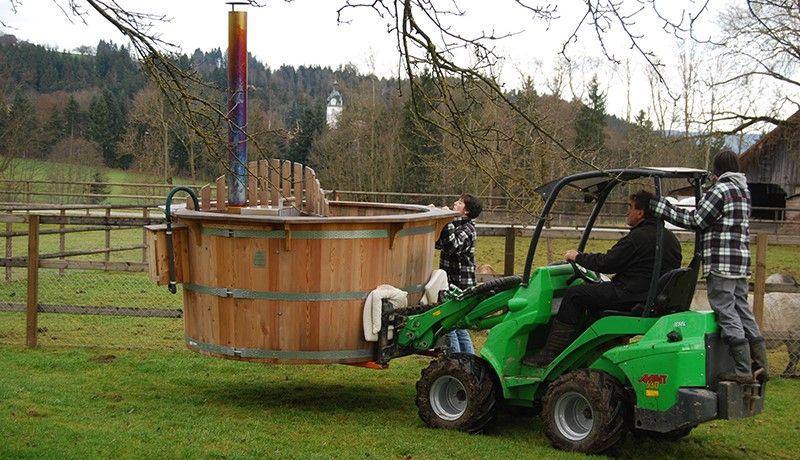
(772,172)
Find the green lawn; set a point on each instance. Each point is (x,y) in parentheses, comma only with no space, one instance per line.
(45,170)
(125,387)
(97,403)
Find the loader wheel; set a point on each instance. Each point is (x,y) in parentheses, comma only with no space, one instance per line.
(457,392)
(585,411)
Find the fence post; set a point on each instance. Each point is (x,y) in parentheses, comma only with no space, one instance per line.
(33,281)
(761,275)
(508,261)
(9,229)
(61,238)
(108,234)
(145,215)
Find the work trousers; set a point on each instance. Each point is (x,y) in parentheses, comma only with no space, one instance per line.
(593,298)
(728,298)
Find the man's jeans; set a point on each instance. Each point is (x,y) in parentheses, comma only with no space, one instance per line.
(459,341)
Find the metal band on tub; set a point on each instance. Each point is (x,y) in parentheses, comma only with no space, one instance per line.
(258,353)
(315,235)
(286,296)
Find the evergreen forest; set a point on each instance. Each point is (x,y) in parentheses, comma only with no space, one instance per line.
(95,106)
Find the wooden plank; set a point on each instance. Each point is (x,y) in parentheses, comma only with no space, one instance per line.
(145,215)
(205,198)
(263,182)
(32,298)
(94,265)
(91,310)
(221,195)
(158,257)
(100,220)
(297,184)
(320,202)
(286,178)
(274,182)
(12,219)
(252,183)
(508,260)
(310,190)
(108,236)
(760,279)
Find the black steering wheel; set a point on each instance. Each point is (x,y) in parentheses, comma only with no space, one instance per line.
(580,272)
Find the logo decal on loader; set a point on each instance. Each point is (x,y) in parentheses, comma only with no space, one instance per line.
(652,383)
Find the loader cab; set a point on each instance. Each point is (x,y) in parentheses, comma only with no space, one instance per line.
(667,293)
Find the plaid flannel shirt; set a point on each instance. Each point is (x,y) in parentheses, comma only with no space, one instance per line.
(723,217)
(457,259)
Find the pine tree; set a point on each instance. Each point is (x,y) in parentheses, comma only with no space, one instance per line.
(107,123)
(98,187)
(421,140)
(308,125)
(590,122)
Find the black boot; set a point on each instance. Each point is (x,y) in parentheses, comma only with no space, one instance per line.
(758,353)
(742,363)
(559,338)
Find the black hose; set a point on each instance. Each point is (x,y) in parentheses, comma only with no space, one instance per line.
(173,284)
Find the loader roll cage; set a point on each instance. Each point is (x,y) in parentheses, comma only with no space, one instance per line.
(596,186)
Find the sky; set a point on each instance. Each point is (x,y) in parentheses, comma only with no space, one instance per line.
(306,32)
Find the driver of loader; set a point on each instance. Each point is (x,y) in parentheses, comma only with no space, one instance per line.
(631,259)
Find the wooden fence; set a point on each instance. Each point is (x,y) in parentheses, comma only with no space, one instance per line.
(498,209)
(108,219)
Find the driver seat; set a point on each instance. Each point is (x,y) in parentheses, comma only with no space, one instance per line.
(674,293)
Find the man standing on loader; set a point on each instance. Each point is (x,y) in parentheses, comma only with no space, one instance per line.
(631,259)
(723,215)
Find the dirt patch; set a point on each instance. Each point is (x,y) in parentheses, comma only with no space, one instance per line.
(103,359)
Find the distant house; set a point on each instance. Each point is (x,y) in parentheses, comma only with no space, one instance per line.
(771,167)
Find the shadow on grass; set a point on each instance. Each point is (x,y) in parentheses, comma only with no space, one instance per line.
(306,396)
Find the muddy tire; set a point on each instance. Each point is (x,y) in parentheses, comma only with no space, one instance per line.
(585,411)
(457,392)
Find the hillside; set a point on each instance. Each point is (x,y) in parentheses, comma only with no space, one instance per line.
(95,106)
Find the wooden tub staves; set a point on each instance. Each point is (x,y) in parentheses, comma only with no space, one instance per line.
(290,289)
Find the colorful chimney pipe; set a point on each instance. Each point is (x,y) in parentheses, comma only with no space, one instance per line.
(237,107)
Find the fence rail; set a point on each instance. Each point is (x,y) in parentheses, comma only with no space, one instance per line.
(496,208)
(47,252)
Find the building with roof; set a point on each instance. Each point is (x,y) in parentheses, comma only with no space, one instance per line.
(334,107)
(771,167)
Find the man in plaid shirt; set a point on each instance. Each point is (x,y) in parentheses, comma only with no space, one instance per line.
(723,215)
(457,259)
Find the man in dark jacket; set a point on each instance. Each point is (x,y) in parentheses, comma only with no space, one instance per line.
(631,259)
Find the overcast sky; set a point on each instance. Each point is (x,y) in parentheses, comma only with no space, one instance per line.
(305,32)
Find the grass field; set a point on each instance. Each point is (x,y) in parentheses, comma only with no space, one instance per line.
(44,170)
(95,403)
(125,387)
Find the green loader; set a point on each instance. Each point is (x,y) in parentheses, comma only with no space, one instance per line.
(651,370)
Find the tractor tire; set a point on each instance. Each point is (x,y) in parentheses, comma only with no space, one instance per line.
(585,411)
(457,392)
(669,436)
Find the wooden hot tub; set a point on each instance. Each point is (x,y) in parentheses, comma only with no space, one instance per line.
(291,289)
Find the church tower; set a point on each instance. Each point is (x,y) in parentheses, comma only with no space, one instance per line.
(334,107)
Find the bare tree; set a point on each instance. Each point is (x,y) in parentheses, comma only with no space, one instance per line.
(761,44)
